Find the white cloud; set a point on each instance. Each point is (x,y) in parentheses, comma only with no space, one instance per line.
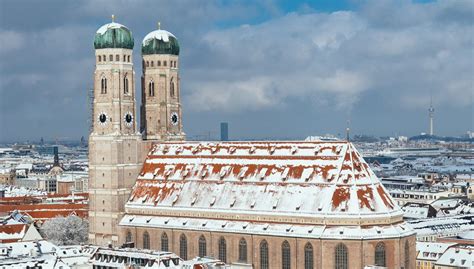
(406,51)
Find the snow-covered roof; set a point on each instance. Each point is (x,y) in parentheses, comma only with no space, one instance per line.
(459,257)
(112,25)
(262,228)
(159,35)
(314,182)
(431,250)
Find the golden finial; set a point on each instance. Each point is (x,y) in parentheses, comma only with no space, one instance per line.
(113,18)
(159,25)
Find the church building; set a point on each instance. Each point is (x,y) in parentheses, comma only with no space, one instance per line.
(270,204)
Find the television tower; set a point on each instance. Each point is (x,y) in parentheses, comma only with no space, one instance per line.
(431,113)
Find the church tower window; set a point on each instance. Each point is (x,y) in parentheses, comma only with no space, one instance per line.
(111,58)
(103,86)
(172,88)
(125,84)
(117,58)
(264,255)
(202,246)
(158,63)
(151,63)
(151,88)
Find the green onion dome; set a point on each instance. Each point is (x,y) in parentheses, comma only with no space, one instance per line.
(160,42)
(113,35)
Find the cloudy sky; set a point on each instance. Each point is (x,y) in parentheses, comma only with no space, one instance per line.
(272,69)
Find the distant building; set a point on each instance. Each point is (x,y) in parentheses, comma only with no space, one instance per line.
(224,131)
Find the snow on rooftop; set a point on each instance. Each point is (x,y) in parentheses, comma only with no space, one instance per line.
(159,35)
(305,179)
(112,25)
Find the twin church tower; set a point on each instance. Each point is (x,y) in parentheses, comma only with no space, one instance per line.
(117,147)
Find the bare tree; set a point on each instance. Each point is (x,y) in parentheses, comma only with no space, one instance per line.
(70,230)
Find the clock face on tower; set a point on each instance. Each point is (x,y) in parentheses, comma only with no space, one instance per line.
(128,118)
(102,118)
(174,118)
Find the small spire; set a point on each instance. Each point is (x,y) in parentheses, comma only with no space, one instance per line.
(159,25)
(348,131)
(113,18)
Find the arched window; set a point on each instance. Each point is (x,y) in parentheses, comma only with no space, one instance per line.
(158,63)
(103,86)
(172,88)
(117,58)
(222,250)
(147,63)
(146,240)
(380,254)
(128,58)
(202,246)
(285,255)
(183,247)
(125,58)
(264,255)
(151,88)
(104,58)
(164,242)
(340,257)
(407,255)
(125,84)
(242,250)
(164,63)
(100,58)
(151,63)
(308,256)
(128,237)
(111,58)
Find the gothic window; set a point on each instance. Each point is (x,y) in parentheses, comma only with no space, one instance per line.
(128,237)
(308,256)
(151,88)
(125,58)
(158,63)
(340,257)
(242,250)
(103,86)
(151,63)
(125,84)
(128,58)
(164,242)
(222,250)
(104,58)
(146,240)
(202,246)
(117,58)
(183,247)
(380,254)
(172,88)
(111,58)
(264,255)
(100,58)
(407,255)
(285,255)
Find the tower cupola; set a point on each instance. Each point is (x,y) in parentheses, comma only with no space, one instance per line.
(160,42)
(113,35)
